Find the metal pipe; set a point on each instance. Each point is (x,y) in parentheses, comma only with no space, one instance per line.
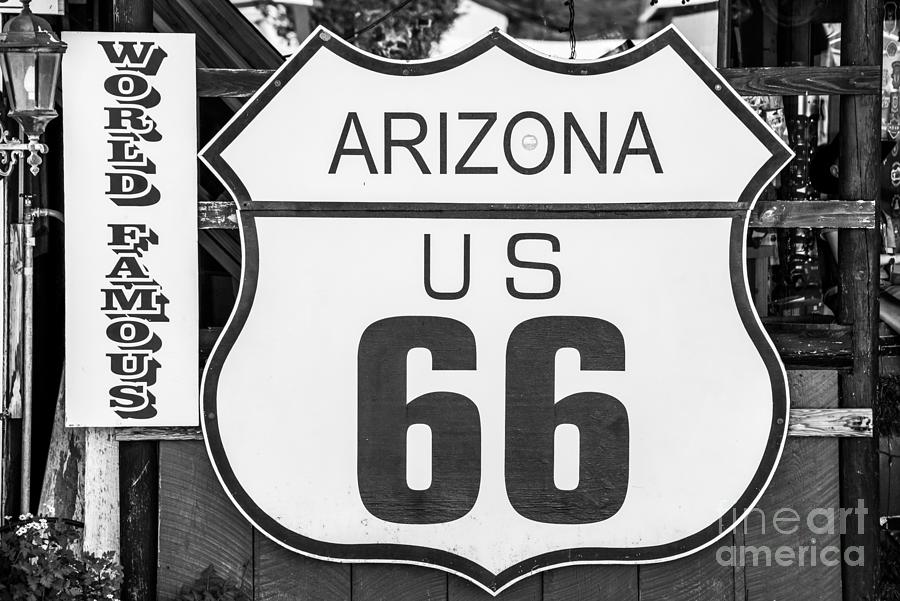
(27,349)
(48,213)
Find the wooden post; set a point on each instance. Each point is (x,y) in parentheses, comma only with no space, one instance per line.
(858,249)
(138,462)
(101,491)
(12,440)
(724,41)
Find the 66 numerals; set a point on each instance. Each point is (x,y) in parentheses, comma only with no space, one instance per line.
(531,420)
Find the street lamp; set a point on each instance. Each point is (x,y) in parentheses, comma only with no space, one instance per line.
(30,54)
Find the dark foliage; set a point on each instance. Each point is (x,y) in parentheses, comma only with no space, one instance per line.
(407,34)
(39,560)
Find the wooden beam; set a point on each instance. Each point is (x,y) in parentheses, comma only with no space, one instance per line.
(812,346)
(756,81)
(836,214)
(858,250)
(230,83)
(778,214)
(799,81)
(829,423)
(842,423)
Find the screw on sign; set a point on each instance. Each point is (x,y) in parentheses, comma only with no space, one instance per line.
(446,350)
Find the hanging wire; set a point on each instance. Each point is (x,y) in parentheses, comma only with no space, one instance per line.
(571,28)
(374,23)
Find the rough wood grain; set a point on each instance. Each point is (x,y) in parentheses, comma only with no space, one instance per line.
(230,83)
(62,490)
(814,213)
(159,433)
(844,423)
(15,303)
(799,81)
(101,491)
(12,447)
(579,583)
(823,423)
(139,517)
(806,479)
(811,346)
(697,577)
(282,575)
(394,582)
(858,250)
(757,81)
(198,525)
(529,589)
(217,214)
(220,214)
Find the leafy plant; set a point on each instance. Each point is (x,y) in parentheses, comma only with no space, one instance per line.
(408,33)
(212,587)
(38,561)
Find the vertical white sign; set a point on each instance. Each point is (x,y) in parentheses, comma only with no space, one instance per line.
(130,142)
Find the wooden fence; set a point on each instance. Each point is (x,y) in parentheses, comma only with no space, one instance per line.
(152,492)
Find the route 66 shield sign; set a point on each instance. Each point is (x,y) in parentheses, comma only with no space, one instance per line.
(494,317)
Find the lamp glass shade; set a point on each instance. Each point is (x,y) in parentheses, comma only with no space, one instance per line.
(19,71)
(30,54)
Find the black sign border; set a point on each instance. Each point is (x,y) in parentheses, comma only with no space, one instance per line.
(250,211)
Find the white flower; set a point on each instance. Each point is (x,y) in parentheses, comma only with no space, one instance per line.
(33,561)
(42,522)
(21,531)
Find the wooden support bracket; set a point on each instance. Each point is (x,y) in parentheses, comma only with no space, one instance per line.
(828,423)
(840,214)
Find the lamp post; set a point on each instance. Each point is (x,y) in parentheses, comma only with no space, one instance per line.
(30,54)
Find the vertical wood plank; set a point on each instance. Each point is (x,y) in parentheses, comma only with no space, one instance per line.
(139,517)
(805,482)
(282,575)
(529,589)
(805,485)
(15,303)
(386,582)
(101,491)
(198,525)
(62,490)
(579,583)
(697,577)
(860,171)
(12,394)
